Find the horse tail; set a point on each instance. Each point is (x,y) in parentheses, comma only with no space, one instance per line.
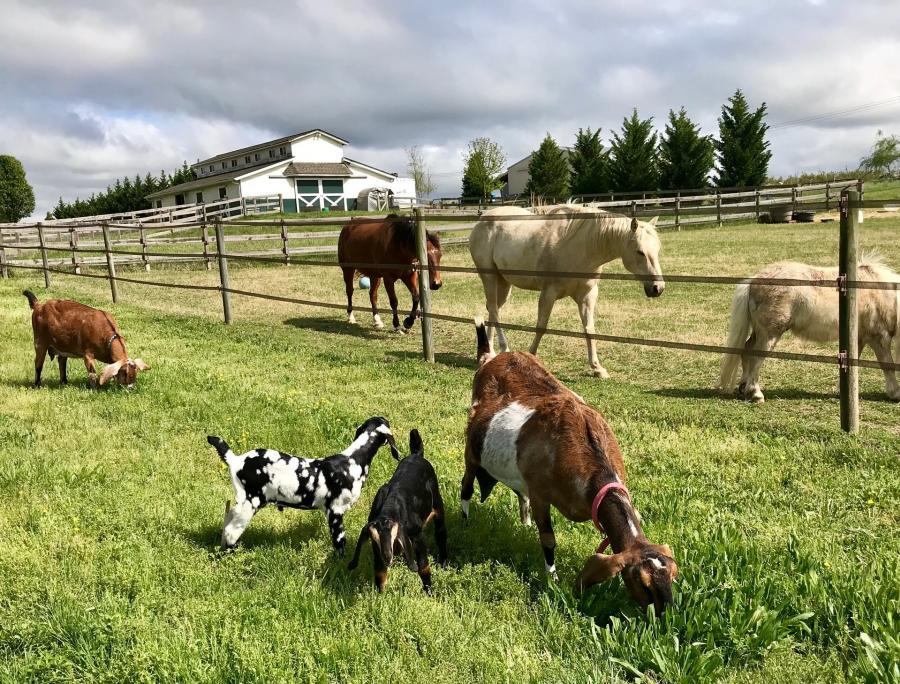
(897,326)
(738,331)
(32,300)
(484,352)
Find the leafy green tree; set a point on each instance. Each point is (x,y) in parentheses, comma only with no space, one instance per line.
(484,162)
(742,151)
(686,158)
(589,164)
(633,157)
(548,171)
(884,159)
(16,194)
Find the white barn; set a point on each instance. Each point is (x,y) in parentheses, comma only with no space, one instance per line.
(308,170)
(517,175)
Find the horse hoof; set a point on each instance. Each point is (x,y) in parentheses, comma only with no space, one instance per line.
(601,373)
(757,398)
(351,318)
(377,324)
(399,330)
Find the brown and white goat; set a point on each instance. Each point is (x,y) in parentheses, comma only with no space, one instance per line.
(71,330)
(529,431)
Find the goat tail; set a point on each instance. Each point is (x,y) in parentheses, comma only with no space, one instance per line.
(221,446)
(897,326)
(738,331)
(32,299)
(485,352)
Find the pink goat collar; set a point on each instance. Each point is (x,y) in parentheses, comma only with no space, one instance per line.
(595,507)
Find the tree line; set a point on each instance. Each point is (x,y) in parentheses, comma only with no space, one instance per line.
(638,157)
(122,196)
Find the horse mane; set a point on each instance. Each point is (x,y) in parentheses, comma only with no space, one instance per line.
(405,231)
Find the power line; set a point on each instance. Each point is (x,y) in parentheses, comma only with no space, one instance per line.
(836,113)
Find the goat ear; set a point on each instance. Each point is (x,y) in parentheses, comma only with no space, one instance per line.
(634,225)
(415,443)
(392,443)
(408,554)
(364,533)
(653,221)
(600,568)
(141,366)
(109,372)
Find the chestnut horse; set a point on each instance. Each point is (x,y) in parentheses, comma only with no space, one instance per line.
(388,245)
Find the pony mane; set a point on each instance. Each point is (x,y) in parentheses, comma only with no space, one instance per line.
(405,230)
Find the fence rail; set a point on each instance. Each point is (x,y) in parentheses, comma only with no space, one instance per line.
(108,252)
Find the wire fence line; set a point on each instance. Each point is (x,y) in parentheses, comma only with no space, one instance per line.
(218,252)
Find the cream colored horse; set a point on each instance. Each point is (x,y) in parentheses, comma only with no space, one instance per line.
(766,312)
(580,245)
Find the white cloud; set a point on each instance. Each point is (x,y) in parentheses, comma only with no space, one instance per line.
(87,94)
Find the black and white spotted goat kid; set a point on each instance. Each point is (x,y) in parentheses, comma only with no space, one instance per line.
(332,484)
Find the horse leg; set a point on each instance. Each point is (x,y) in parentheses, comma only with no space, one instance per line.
(389,285)
(411,280)
(349,274)
(503,288)
(761,340)
(587,300)
(373,300)
(545,308)
(882,348)
(489,283)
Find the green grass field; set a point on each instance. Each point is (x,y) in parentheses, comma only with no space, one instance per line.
(111,503)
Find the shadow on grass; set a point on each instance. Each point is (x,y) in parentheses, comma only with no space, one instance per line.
(337,326)
(207,537)
(786,393)
(444,358)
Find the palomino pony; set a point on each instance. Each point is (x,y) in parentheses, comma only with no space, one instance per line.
(761,314)
(383,244)
(558,243)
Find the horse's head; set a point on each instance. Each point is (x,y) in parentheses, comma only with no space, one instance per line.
(433,249)
(641,255)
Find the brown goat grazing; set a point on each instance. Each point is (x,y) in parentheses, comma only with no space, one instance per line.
(71,330)
(529,431)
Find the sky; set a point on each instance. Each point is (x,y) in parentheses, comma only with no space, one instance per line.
(91,91)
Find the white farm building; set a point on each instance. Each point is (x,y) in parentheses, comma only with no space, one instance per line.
(307,170)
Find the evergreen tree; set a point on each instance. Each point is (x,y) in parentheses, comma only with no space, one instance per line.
(634,163)
(589,164)
(548,171)
(484,161)
(685,157)
(16,194)
(742,151)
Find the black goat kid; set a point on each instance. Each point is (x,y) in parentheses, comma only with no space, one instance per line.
(401,510)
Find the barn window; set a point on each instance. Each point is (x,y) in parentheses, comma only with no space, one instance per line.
(272,153)
(199,198)
(281,151)
(159,204)
(223,192)
(256,156)
(233,163)
(247,159)
(210,168)
(223,165)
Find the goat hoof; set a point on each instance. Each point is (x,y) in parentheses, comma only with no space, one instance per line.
(757,398)
(399,330)
(408,322)
(601,373)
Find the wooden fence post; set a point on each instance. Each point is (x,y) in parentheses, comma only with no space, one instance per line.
(4,269)
(848,313)
(719,208)
(678,211)
(223,271)
(40,229)
(827,196)
(860,186)
(424,290)
(73,244)
(633,208)
(143,240)
(110,263)
(204,238)
(793,199)
(284,243)
(757,205)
